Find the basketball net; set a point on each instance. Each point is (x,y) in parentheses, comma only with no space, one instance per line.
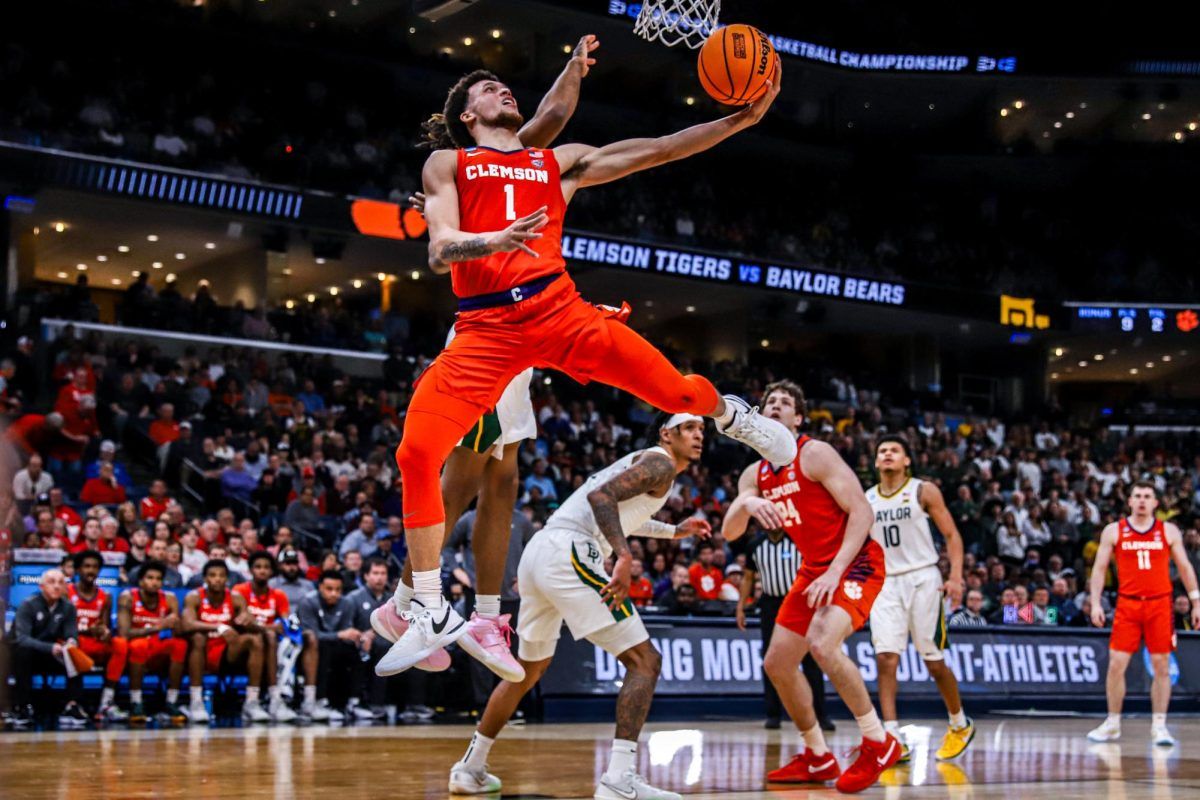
(677,21)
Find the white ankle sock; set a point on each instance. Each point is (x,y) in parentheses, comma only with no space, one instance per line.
(477,750)
(958,720)
(135,695)
(427,587)
(727,417)
(172,696)
(1158,720)
(1113,719)
(487,605)
(276,695)
(814,740)
(310,695)
(871,727)
(623,758)
(403,596)
(106,696)
(251,694)
(196,693)
(892,726)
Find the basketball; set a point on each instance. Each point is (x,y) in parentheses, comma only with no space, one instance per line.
(735,63)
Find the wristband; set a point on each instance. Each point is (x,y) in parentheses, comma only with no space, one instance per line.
(222,628)
(1194,595)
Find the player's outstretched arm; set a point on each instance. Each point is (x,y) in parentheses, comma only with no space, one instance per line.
(448,244)
(582,165)
(1187,575)
(1108,540)
(934,504)
(749,504)
(558,105)
(822,463)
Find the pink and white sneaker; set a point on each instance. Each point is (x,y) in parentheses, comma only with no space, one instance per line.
(388,623)
(488,641)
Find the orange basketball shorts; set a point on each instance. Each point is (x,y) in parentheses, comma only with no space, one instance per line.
(860,585)
(113,654)
(1152,619)
(555,328)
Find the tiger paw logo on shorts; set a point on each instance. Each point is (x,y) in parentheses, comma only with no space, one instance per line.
(853,589)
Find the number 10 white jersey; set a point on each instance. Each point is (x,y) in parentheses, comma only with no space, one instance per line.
(902,528)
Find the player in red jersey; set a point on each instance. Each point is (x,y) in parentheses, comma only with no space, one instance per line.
(93,612)
(819,502)
(1145,547)
(484,464)
(269,607)
(495,211)
(144,614)
(223,634)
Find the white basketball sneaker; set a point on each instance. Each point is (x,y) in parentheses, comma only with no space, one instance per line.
(197,713)
(472,780)
(1162,737)
(1106,732)
(387,622)
(631,786)
(428,630)
(771,439)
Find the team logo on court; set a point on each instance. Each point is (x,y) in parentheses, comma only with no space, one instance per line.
(853,589)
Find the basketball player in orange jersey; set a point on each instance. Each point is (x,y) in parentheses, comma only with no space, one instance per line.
(819,502)
(269,607)
(484,464)
(1144,549)
(143,615)
(93,611)
(210,615)
(495,211)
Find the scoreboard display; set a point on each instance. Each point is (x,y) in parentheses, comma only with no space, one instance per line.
(1139,318)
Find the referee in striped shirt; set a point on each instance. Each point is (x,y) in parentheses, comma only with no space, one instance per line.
(774,558)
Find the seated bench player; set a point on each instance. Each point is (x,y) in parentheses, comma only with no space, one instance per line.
(270,608)
(144,614)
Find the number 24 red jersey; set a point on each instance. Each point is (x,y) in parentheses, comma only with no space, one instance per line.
(812,518)
(496,188)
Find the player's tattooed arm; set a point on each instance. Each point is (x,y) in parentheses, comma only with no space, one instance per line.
(651,473)
(464,251)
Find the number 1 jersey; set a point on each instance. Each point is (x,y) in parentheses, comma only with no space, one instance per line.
(496,188)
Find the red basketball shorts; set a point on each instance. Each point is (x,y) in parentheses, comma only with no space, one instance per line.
(1152,619)
(155,652)
(113,654)
(860,585)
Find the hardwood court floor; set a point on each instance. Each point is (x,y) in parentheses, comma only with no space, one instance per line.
(1010,758)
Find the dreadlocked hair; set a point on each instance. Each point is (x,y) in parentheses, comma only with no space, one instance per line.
(445,131)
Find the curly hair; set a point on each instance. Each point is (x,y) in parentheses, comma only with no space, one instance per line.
(788,387)
(445,131)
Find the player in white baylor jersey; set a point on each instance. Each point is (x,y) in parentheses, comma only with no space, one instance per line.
(562,579)
(911,601)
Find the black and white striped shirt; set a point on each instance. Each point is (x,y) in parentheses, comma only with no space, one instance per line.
(776,564)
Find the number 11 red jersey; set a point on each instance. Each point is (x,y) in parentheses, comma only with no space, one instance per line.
(496,188)
(1143,560)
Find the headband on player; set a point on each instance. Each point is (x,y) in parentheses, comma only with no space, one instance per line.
(678,419)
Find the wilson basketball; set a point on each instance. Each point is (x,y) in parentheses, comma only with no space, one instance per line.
(735,63)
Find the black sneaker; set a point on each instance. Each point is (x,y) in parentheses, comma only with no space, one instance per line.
(175,713)
(827,725)
(72,717)
(137,714)
(22,717)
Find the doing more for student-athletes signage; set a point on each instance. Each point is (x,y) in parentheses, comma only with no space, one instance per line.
(1001,663)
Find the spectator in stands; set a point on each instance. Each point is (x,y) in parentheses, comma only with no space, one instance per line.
(217,621)
(104,489)
(539,480)
(193,557)
(32,481)
(44,627)
(1043,612)
(705,578)
(89,537)
(1006,611)
(385,542)
(174,561)
(164,430)
(77,405)
(154,505)
(731,588)
(108,455)
(37,433)
(331,647)
(291,579)
(109,540)
(159,551)
(270,495)
(1183,616)
(641,591)
(136,555)
(362,539)
(270,609)
(302,513)
(236,560)
(1010,542)
(682,602)
(970,615)
(130,400)
(143,615)
(63,511)
(310,401)
(237,483)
